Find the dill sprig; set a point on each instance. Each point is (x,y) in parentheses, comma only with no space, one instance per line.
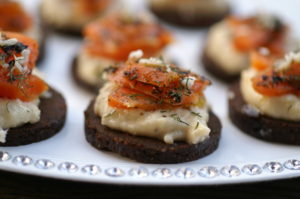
(177,118)
(7,108)
(197,125)
(197,114)
(187,85)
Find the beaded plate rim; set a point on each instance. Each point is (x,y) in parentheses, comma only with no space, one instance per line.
(149,174)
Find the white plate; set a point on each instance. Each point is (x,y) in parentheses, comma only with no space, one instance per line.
(70,147)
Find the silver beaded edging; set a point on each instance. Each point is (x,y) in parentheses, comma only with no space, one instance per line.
(204,172)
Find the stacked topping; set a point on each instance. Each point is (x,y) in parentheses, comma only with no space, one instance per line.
(13,17)
(18,55)
(115,36)
(279,77)
(151,84)
(259,31)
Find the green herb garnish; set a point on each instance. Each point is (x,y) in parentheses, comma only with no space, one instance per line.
(177,118)
(7,108)
(197,125)
(197,114)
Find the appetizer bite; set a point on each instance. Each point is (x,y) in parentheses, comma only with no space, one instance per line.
(30,110)
(70,16)
(110,40)
(266,103)
(190,13)
(14,18)
(229,43)
(152,112)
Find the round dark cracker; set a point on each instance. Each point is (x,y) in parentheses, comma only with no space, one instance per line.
(197,21)
(145,149)
(216,70)
(80,82)
(261,126)
(53,114)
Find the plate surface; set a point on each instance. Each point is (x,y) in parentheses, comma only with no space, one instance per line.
(238,159)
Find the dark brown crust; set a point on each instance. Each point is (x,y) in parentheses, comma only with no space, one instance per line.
(214,69)
(53,114)
(81,83)
(63,30)
(262,127)
(144,149)
(177,19)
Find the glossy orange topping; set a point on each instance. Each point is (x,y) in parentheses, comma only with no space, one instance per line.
(273,82)
(92,7)
(13,17)
(16,80)
(250,34)
(149,87)
(261,61)
(115,36)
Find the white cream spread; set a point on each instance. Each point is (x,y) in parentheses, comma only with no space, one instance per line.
(192,7)
(152,61)
(189,125)
(284,64)
(136,55)
(284,107)
(64,13)
(14,113)
(3,133)
(90,68)
(221,49)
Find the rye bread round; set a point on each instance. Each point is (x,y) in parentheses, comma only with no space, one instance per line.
(145,149)
(53,114)
(261,126)
(80,82)
(216,70)
(192,22)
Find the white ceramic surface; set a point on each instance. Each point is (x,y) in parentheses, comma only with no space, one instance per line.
(235,147)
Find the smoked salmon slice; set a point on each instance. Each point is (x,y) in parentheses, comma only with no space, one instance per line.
(155,87)
(16,78)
